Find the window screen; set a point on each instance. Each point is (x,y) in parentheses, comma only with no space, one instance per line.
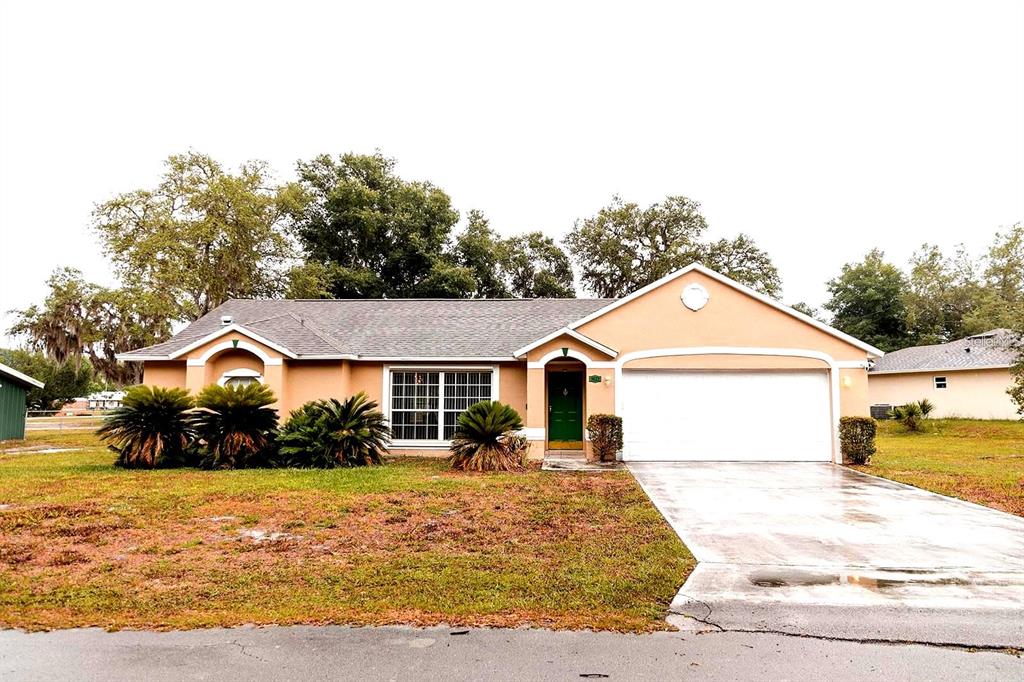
(417,407)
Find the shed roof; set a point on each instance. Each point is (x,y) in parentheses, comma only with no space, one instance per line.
(17,377)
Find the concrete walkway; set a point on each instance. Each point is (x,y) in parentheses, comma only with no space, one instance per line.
(402,653)
(824,550)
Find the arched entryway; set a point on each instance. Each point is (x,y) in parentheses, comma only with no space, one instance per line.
(234,366)
(565,392)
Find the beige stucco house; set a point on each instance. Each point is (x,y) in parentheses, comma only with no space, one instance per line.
(965,378)
(699,366)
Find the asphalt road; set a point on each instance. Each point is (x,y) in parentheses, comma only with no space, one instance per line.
(403,653)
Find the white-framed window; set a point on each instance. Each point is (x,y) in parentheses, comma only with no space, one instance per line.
(240,377)
(423,403)
(940,382)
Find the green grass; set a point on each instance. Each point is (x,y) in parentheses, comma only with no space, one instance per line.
(84,543)
(980,461)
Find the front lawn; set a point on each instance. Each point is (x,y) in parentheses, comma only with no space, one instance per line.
(980,461)
(83,543)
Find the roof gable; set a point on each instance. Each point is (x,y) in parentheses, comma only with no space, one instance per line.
(565,331)
(767,300)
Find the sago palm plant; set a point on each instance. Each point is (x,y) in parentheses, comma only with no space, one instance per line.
(486,440)
(912,415)
(332,433)
(236,425)
(153,427)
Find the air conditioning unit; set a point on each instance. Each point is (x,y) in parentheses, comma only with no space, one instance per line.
(880,411)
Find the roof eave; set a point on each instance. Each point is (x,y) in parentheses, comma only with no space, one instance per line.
(920,370)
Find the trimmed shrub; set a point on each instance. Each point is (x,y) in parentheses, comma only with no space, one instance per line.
(236,425)
(152,428)
(486,440)
(605,435)
(912,415)
(857,439)
(329,433)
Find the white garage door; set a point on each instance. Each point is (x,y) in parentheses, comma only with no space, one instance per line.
(780,416)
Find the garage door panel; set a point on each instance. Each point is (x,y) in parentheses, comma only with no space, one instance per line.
(729,416)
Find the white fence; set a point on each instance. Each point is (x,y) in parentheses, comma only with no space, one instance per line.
(51,420)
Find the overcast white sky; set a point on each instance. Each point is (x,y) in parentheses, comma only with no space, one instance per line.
(822,129)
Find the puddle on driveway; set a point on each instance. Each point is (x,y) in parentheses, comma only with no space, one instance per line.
(791,578)
(784,577)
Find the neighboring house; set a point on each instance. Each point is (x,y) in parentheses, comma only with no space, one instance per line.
(699,366)
(105,400)
(94,402)
(965,378)
(14,387)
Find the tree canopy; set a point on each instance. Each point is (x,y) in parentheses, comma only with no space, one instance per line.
(939,299)
(529,265)
(375,234)
(202,235)
(81,320)
(867,302)
(625,247)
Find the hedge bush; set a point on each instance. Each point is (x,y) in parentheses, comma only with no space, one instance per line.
(605,435)
(857,439)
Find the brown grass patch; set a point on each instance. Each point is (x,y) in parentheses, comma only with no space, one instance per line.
(409,542)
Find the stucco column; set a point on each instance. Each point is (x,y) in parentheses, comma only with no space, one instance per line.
(536,410)
(853,392)
(274,378)
(600,399)
(195,378)
(345,383)
(600,394)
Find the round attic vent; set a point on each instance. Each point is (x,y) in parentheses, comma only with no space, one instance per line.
(695,297)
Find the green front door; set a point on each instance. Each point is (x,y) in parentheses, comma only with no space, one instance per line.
(565,406)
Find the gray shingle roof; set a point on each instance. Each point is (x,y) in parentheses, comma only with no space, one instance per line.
(991,349)
(474,328)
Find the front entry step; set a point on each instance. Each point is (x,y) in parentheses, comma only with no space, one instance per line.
(574,460)
(565,445)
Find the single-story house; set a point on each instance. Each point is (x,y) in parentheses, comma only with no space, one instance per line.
(100,401)
(699,366)
(14,388)
(965,378)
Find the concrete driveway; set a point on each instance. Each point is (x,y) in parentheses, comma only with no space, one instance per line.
(822,549)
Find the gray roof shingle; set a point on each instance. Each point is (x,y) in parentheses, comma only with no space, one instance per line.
(991,349)
(470,328)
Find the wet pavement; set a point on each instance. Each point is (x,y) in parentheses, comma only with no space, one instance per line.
(799,547)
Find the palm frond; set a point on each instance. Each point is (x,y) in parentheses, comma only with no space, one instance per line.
(236,424)
(485,439)
(333,433)
(153,427)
